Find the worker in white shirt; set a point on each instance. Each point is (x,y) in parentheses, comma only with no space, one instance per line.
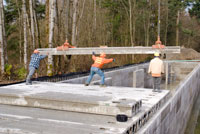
(156,68)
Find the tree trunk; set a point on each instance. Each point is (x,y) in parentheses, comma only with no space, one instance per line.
(52,13)
(177,28)
(78,23)
(4,35)
(134,21)
(130,22)
(32,23)
(188,43)
(47,21)
(37,30)
(37,42)
(148,24)
(20,32)
(25,32)
(1,38)
(95,15)
(166,25)
(67,20)
(74,22)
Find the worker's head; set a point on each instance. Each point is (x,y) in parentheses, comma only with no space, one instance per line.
(156,54)
(66,42)
(103,55)
(35,51)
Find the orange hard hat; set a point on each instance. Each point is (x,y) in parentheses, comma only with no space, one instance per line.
(103,55)
(35,51)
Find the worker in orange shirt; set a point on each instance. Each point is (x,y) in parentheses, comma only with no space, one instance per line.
(156,68)
(96,68)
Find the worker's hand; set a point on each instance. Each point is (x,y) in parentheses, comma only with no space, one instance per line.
(113,60)
(93,53)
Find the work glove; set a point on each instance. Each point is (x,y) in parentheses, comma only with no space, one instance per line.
(93,53)
(113,60)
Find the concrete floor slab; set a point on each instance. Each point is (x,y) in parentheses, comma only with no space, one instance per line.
(58,96)
(78,98)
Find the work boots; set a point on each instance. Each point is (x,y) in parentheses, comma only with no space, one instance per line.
(86,84)
(156,90)
(28,82)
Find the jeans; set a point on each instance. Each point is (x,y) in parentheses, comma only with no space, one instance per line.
(31,72)
(156,83)
(93,71)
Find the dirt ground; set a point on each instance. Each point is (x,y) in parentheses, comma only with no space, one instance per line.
(186,54)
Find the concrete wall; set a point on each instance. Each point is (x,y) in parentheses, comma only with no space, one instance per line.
(173,116)
(125,77)
(137,75)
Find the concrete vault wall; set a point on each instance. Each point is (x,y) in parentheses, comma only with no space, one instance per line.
(173,116)
(133,76)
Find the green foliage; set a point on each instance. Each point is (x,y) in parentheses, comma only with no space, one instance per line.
(7,72)
(116,17)
(188,32)
(11,12)
(21,73)
(40,10)
(195,10)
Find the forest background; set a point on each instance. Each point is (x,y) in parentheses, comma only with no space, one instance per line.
(29,24)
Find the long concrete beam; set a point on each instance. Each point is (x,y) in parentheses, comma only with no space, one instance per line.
(109,50)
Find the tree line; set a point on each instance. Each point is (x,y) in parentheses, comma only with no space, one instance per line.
(29,24)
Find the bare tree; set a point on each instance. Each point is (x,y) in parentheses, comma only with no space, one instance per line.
(25,32)
(148,24)
(177,27)
(1,38)
(20,32)
(32,23)
(74,22)
(52,13)
(130,22)
(67,20)
(37,43)
(4,35)
(166,22)
(79,21)
(95,15)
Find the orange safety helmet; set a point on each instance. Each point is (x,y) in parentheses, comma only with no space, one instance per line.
(103,55)
(35,51)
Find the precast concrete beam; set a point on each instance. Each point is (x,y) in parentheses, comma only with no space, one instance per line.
(110,50)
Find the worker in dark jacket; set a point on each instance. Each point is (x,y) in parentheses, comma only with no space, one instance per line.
(96,68)
(34,64)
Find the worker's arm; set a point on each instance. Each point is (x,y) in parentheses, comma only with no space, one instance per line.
(107,61)
(93,57)
(43,56)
